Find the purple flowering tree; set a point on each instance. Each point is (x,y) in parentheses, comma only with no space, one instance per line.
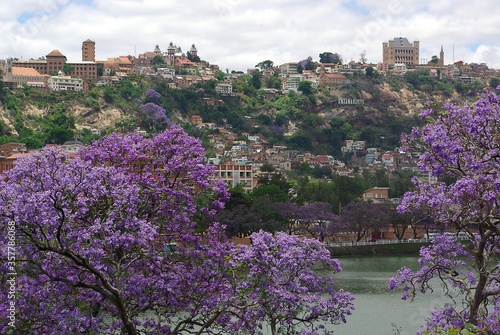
(462,142)
(318,220)
(284,288)
(364,217)
(153,116)
(106,243)
(152,96)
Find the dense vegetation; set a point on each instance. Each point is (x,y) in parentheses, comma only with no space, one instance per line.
(310,120)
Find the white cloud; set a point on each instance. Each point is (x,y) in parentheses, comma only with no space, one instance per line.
(237,34)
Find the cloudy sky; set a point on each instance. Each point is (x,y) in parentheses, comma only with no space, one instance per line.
(238,34)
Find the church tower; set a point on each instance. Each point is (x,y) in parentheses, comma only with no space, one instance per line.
(193,51)
(171,54)
(441,57)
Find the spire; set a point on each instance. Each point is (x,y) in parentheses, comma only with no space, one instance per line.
(441,56)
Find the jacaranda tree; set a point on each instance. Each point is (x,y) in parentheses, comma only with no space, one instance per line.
(461,142)
(153,116)
(105,243)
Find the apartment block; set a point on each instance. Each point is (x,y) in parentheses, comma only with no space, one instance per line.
(237,174)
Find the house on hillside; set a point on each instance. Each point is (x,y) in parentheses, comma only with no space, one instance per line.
(331,80)
(376,194)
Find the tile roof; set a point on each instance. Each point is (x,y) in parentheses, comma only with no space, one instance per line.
(55,53)
(24,71)
(334,75)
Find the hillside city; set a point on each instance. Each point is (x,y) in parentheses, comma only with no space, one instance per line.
(240,157)
(160,193)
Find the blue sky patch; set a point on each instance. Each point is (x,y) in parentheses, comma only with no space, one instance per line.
(53,9)
(356,7)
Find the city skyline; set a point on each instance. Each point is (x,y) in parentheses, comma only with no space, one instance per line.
(237,34)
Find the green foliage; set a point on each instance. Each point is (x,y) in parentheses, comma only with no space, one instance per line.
(396,83)
(92,103)
(494,82)
(274,186)
(3,128)
(109,94)
(305,87)
(100,70)
(264,65)
(256,80)
(273,81)
(129,90)
(157,60)
(68,68)
(220,76)
(468,89)
(370,71)
(299,141)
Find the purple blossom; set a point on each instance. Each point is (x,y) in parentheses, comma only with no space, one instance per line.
(461,142)
(155,116)
(92,232)
(152,96)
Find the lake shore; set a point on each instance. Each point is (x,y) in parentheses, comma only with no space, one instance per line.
(378,249)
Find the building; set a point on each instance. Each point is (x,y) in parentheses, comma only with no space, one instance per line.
(224,89)
(292,83)
(55,62)
(331,80)
(72,147)
(9,153)
(399,50)
(15,77)
(289,68)
(441,57)
(196,120)
(12,148)
(88,51)
(352,146)
(376,194)
(233,175)
(65,83)
(193,51)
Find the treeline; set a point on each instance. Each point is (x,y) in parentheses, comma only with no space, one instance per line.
(318,208)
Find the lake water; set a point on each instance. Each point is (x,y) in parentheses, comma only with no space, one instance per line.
(378,310)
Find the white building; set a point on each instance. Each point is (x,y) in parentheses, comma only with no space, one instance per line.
(289,68)
(224,89)
(292,83)
(73,146)
(65,83)
(400,68)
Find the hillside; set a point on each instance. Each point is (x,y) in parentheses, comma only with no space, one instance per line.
(318,121)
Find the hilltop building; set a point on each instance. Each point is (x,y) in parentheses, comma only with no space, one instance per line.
(400,50)
(55,62)
(15,77)
(65,83)
(88,51)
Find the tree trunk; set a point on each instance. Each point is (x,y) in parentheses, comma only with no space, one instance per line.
(483,277)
